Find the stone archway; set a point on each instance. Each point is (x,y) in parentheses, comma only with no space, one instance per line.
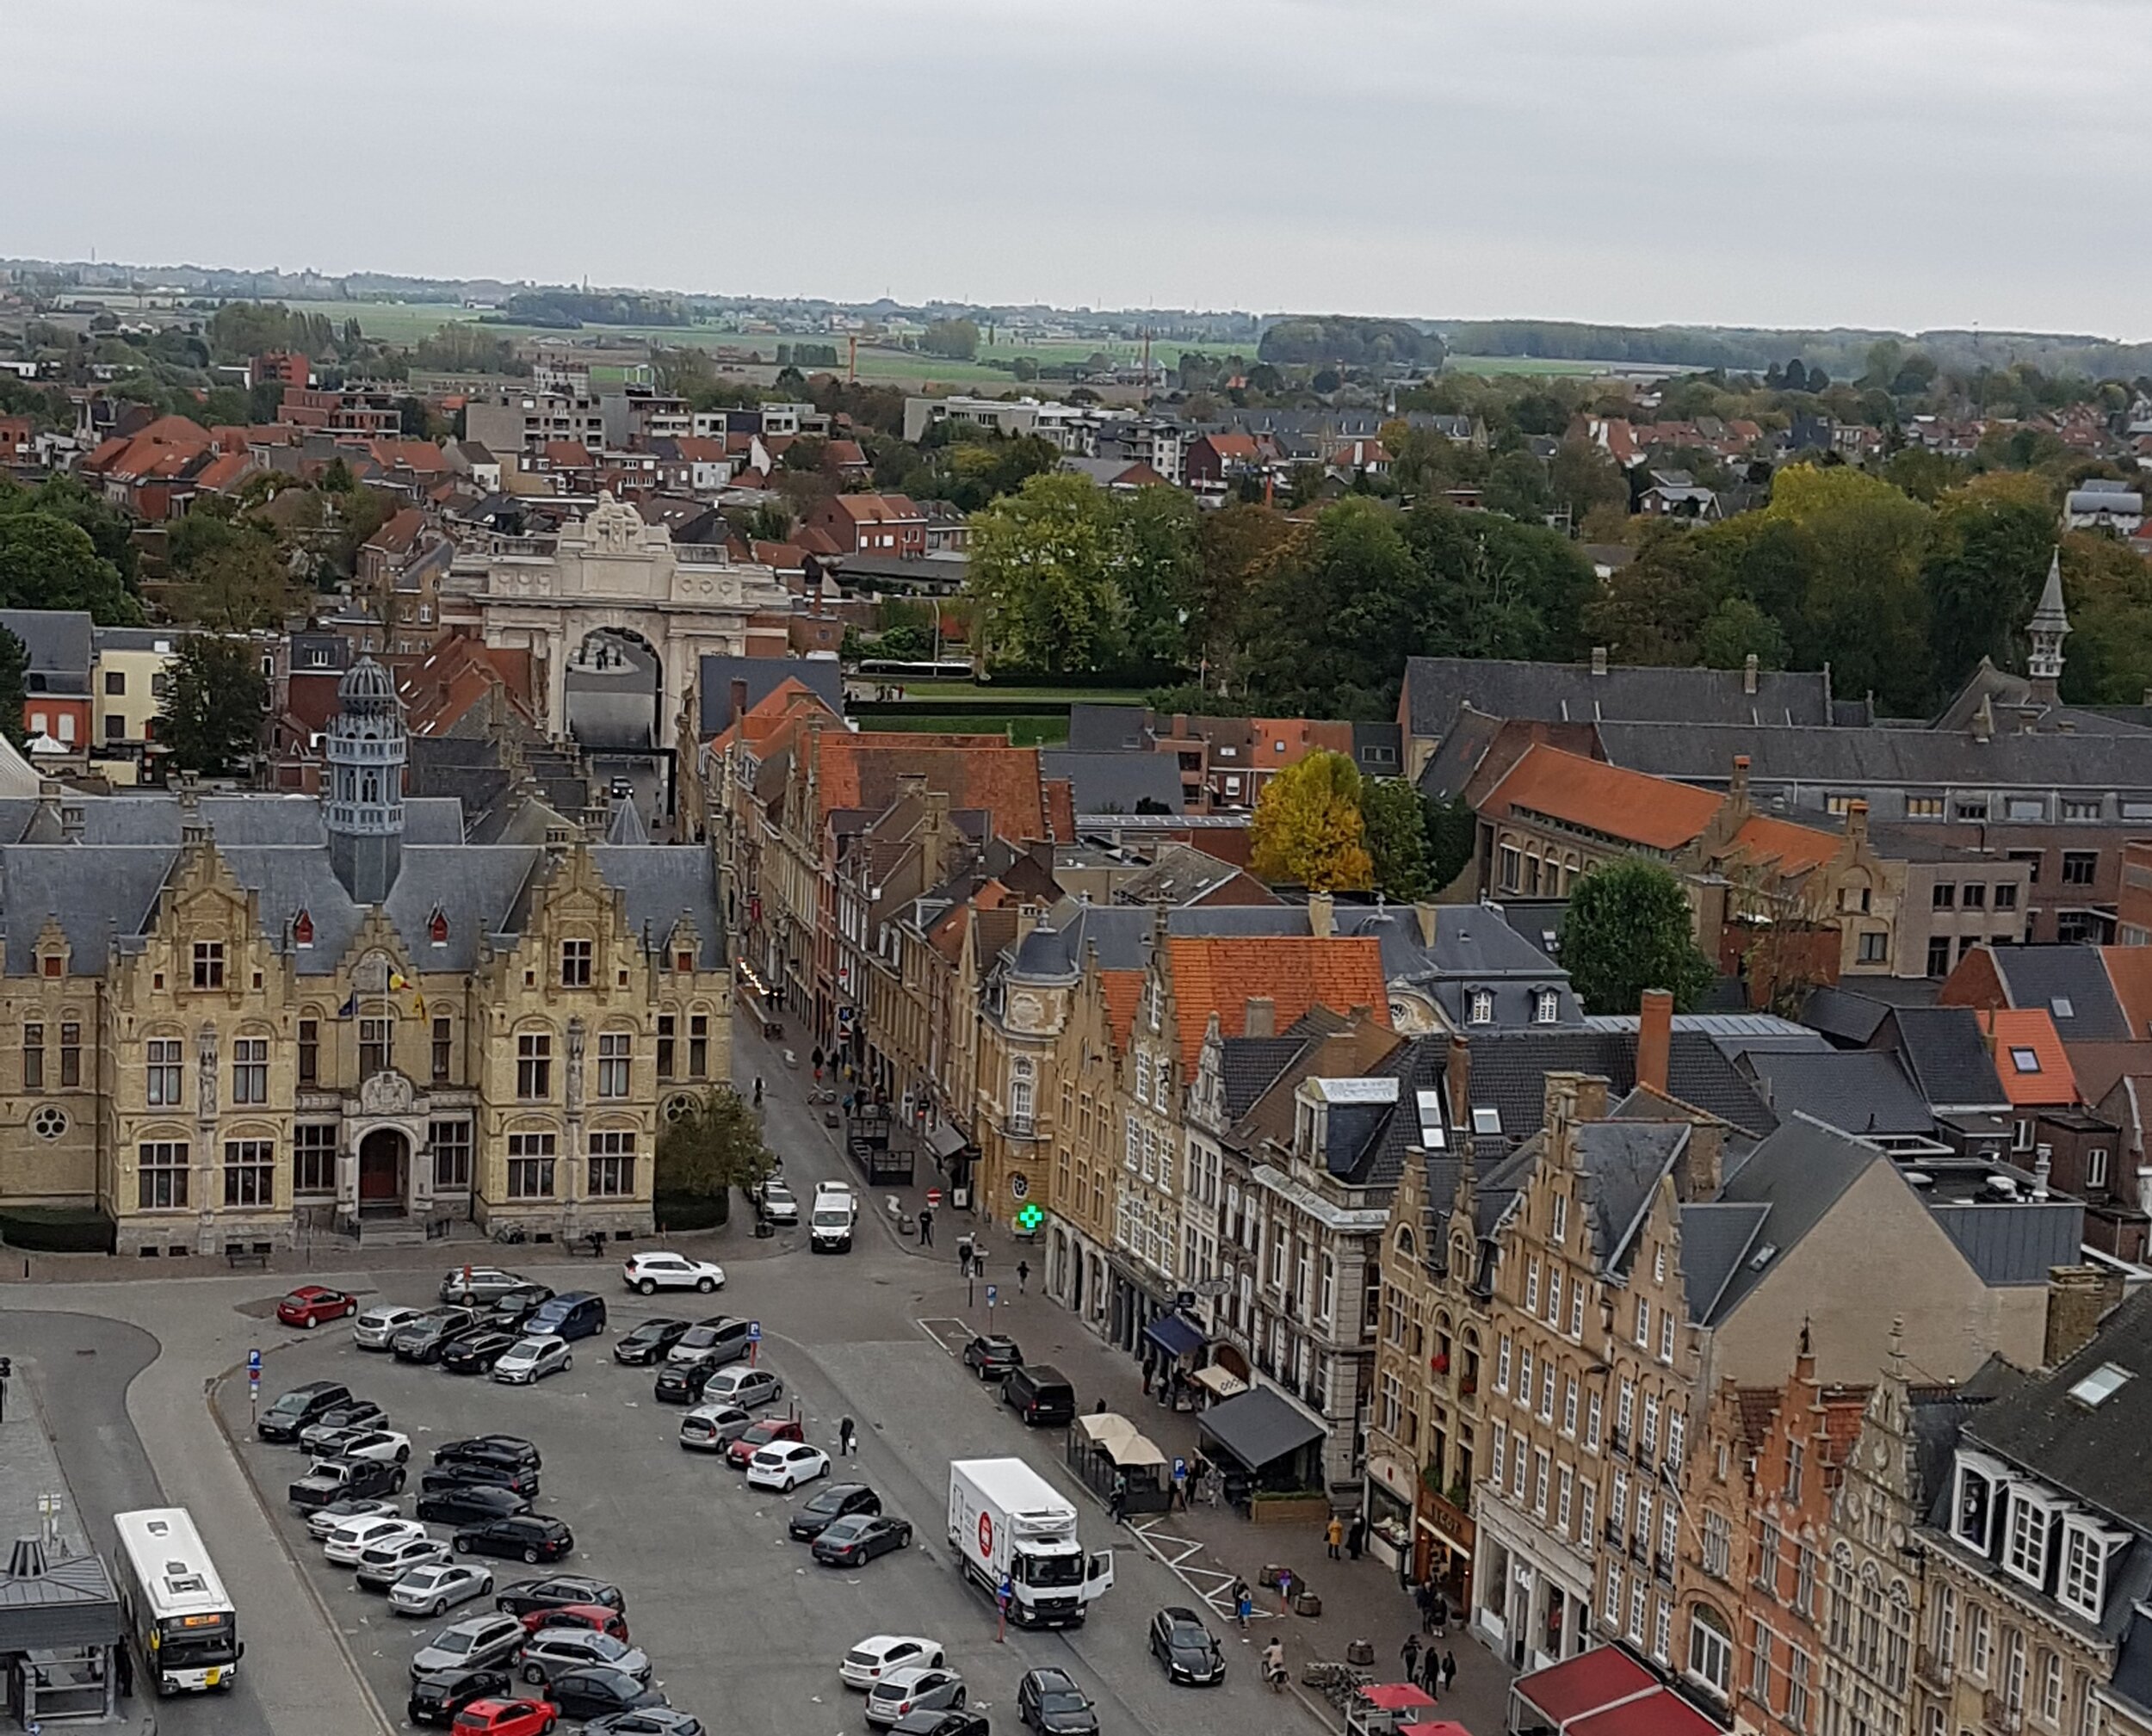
(614,691)
(384,1171)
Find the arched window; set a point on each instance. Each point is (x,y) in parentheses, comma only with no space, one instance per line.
(1710,1648)
(1020,1094)
(1407,1244)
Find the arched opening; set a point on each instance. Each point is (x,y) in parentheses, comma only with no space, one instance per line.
(615,685)
(384,1170)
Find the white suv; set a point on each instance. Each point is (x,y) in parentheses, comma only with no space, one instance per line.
(650,1273)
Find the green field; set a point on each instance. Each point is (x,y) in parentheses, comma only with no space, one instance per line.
(1077,696)
(1545,365)
(1023,729)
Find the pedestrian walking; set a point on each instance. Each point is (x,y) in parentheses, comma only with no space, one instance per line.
(1334,1535)
(1285,1593)
(758,1091)
(1430,1675)
(1243,1603)
(1099,1408)
(1427,1605)
(1410,1653)
(1118,1504)
(1023,1275)
(1449,1669)
(1442,1615)
(847,1438)
(123,1661)
(964,1256)
(1356,1539)
(926,1226)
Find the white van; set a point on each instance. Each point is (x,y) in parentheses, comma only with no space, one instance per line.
(836,1211)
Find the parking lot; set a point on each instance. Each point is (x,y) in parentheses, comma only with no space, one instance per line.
(744,1629)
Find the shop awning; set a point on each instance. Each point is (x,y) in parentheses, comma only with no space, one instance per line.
(943,1140)
(1222,1382)
(1132,1450)
(1259,1427)
(1606,1692)
(1104,1429)
(1175,1336)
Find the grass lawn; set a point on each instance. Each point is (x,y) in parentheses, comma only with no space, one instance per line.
(1078,695)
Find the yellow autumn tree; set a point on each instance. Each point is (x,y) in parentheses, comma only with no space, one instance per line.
(1307,829)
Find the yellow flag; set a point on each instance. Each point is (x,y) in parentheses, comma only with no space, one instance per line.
(396,980)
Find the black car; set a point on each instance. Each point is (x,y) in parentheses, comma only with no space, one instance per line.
(593,1692)
(854,1541)
(437,1698)
(487,1450)
(510,1310)
(476,1352)
(993,1355)
(300,1408)
(557,1591)
(424,1338)
(1050,1702)
(950,1721)
(682,1383)
(464,1473)
(470,1503)
(530,1537)
(1181,1642)
(649,1341)
(839,1501)
(339,1479)
(649,1721)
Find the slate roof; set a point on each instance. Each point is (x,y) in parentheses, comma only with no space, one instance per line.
(57,646)
(1797,1174)
(1702,753)
(1570,693)
(2071,983)
(1509,1069)
(1716,1236)
(715,676)
(1475,948)
(2098,1453)
(1116,782)
(2018,1242)
(1843,1015)
(234,819)
(1860,1092)
(1946,1055)
(1248,1065)
(1622,1163)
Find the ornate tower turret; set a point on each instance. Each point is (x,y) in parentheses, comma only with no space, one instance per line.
(2048,629)
(363,801)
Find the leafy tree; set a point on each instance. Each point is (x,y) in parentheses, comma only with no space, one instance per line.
(2108,589)
(1737,630)
(1156,566)
(1581,477)
(1344,341)
(1516,487)
(958,339)
(1453,838)
(1987,558)
(13,660)
(242,584)
(212,719)
(110,528)
(1307,829)
(1395,826)
(711,1147)
(1629,929)
(48,563)
(1865,611)
(1041,572)
(1024,368)
(1238,548)
(805,453)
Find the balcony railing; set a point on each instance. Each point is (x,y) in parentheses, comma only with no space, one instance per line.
(1931,1669)
(2000,1716)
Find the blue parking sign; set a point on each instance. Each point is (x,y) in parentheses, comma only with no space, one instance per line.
(992,1293)
(1180,1470)
(754,1331)
(254,1362)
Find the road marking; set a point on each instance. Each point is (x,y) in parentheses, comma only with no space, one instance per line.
(1176,1554)
(950,1329)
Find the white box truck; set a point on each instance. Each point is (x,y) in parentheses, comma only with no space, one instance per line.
(1012,1530)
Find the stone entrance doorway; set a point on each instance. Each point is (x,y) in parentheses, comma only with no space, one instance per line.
(384,1171)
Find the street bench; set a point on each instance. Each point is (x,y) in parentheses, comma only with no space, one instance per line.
(235,1256)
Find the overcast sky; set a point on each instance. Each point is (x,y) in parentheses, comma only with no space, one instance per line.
(1896,163)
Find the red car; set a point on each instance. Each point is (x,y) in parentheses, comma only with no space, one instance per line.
(761,1435)
(310,1305)
(507,1717)
(592,1615)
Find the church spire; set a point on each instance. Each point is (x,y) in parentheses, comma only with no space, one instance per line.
(2048,629)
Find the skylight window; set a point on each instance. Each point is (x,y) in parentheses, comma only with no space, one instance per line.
(2101,1385)
(1486,1120)
(2061,1007)
(2024,1060)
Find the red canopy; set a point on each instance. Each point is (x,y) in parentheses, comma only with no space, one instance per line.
(1395,1697)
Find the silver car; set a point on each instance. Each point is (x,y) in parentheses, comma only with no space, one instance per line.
(345,1544)
(372,1330)
(712,1428)
(552,1651)
(476,1643)
(431,1591)
(912,1688)
(529,1359)
(382,1565)
(478,1286)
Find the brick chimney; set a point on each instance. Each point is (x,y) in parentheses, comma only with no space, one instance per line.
(1857,821)
(1259,1018)
(1322,915)
(2078,1297)
(1737,786)
(1654,1038)
(1702,1164)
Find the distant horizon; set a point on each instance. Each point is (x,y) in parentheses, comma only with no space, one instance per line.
(596,286)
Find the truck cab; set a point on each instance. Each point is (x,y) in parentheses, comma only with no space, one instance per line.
(1016,1535)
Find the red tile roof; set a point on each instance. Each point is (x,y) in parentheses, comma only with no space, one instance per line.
(877,509)
(2029,1059)
(1222,974)
(1631,805)
(2130,969)
(975,771)
(1122,991)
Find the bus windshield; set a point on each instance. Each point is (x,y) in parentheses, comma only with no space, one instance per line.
(183,1648)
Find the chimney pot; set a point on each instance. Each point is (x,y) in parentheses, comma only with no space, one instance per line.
(1259,1017)
(1599,659)
(1748,674)
(1654,1038)
(1322,915)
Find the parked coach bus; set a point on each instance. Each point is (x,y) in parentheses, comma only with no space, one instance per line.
(178,1611)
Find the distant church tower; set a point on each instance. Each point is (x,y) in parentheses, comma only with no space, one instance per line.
(364,807)
(2048,627)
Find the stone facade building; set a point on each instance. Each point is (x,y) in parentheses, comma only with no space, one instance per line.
(230,1020)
